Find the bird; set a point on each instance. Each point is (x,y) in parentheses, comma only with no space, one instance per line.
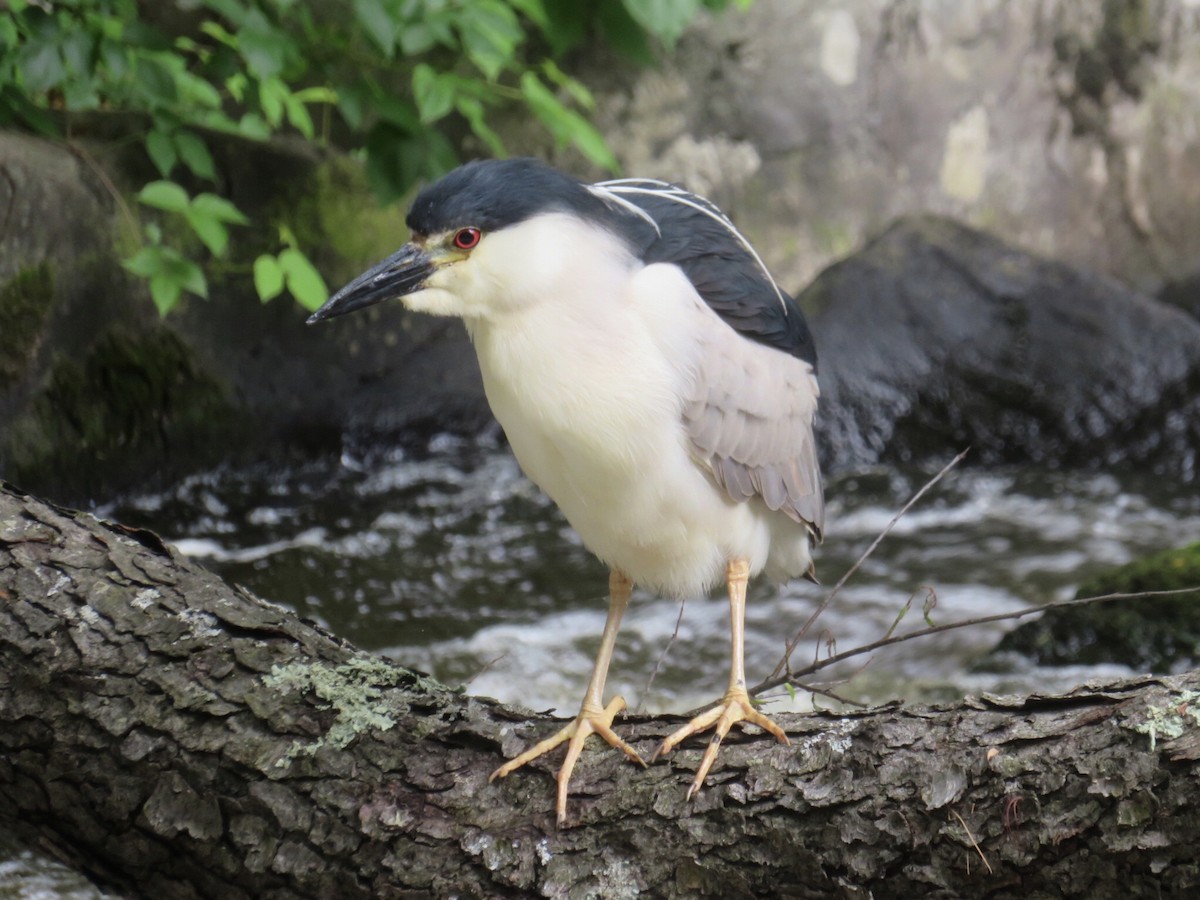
(650,375)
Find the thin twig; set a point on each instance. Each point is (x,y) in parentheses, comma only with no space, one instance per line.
(661,658)
(800,635)
(775,681)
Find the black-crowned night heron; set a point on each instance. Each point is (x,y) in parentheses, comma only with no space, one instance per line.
(650,376)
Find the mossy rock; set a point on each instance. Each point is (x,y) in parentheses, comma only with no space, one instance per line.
(25,303)
(137,406)
(1160,634)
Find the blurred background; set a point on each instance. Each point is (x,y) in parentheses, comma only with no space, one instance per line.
(988,211)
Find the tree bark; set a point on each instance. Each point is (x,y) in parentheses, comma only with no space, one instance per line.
(175,736)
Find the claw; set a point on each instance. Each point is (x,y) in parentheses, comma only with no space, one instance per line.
(735,707)
(591,720)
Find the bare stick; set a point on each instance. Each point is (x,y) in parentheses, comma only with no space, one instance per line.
(800,635)
(775,681)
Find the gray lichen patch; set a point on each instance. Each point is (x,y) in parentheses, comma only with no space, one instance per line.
(354,690)
(1171,720)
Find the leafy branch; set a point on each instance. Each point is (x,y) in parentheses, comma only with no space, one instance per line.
(397,81)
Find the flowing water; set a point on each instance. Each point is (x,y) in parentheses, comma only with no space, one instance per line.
(446,559)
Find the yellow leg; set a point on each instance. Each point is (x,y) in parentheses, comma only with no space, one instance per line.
(594,717)
(735,706)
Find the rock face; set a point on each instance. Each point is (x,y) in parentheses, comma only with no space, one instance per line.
(97,394)
(1069,128)
(936,337)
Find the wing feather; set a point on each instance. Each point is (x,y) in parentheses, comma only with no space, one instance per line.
(750,412)
(750,420)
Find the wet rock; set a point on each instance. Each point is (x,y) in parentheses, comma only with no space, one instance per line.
(1157,634)
(937,337)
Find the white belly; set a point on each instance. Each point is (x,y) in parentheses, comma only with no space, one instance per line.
(590,403)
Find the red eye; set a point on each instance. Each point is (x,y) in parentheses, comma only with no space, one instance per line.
(467,238)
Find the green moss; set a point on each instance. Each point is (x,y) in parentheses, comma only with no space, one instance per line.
(1156,633)
(337,219)
(1178,715)
(354,222)
(353,690)
(25,303)
(137,401)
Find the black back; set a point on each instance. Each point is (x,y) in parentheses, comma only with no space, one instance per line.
(691,233)
(725,274)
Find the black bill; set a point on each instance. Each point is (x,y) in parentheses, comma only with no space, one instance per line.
(402,273)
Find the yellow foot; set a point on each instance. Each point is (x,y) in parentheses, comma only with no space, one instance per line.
(735,707)
(591,720)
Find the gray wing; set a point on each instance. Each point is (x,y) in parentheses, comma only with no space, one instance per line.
(754,391)
(750,418)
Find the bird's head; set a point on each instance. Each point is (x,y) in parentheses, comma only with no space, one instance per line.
(489,236)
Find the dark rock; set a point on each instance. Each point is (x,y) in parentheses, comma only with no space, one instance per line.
(97,394)
(1183,293)
(1157,634)
(937,337)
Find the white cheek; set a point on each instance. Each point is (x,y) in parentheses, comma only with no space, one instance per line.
(435,301)
(443,294)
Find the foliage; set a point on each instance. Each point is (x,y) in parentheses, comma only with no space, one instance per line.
(397,80)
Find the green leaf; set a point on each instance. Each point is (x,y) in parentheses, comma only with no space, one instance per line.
(262,46)
(191,276)
(207,215)
(219,208)
(378,24)
(625,35)
(252,126)
(145,262)
(535,11)
(591,143)
(211,231)
(162,152)
(169,275)
(566,125)
(472,110)
(165,291)
(354,102)
(665,19)
(156,81)
(316,94)
(197,91)
(490,36)
(433,93)
(271,95)
(297,115)
(41,67)
(416,39)
(268,277)
(303,280)
(77,48)
(195,155)
(164,195)
(580,94)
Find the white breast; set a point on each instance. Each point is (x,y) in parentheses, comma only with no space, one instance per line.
(588,385)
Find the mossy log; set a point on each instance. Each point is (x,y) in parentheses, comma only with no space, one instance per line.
(175,736)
